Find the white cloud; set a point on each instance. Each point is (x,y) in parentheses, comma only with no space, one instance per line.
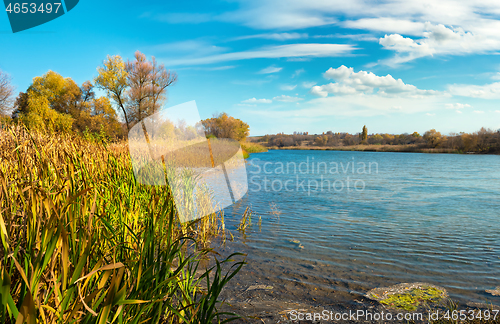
(319,92)
(308,85)
(254,100)
(438,39)
(288,87)
(487,91)
(221,68)
(275,36)
(332,88)
(364,93)
(350,82)
(356,37)
(270,69)
(457,106)
(340,73)
(478,112)
(497,111)
(458,111)
(287,98)
(265,14)
(406,48)
(191,46)
(396,16)
(298,72)
(281,51)
(475,23)
(387,25)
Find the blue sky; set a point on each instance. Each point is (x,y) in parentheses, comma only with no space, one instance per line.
(290,65)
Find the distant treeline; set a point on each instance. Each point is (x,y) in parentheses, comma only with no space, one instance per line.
(482,141)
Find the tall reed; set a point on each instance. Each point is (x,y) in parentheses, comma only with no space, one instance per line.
(83,242)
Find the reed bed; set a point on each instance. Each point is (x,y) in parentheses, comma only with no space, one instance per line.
(83,242)
(251,147)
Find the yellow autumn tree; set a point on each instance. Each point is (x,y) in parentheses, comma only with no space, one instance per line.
(55,103)
(42,106)
(138,88)
(112,78)
(225,126)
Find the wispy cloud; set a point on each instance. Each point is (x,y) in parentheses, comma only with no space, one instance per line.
(288,87)
(457,106)
(444,28)
(448,27)
(308,84)
(357,37)
(486,91)
(282,51)
(270,69)
(285,98)
(255,101)
(190,47)
(387,25)
(265,14)
(221,68)
(298,72)
(274,36)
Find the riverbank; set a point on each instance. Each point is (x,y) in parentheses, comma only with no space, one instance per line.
(374,148)
(260,294)
(250,147)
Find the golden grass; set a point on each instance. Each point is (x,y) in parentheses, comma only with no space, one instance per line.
(83,242)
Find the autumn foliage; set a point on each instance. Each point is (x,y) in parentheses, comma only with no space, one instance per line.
(225,126)
(482,141)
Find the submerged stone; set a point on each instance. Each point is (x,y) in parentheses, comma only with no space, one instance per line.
(494,292)
(408,296)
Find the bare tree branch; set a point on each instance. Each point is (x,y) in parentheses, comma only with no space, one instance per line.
(6,93)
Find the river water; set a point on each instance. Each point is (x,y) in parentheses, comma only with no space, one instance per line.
(331,225)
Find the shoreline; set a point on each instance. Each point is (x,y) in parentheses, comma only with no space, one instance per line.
(259,296)
(377,148)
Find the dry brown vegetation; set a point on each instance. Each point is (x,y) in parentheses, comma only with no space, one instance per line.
(83,242)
